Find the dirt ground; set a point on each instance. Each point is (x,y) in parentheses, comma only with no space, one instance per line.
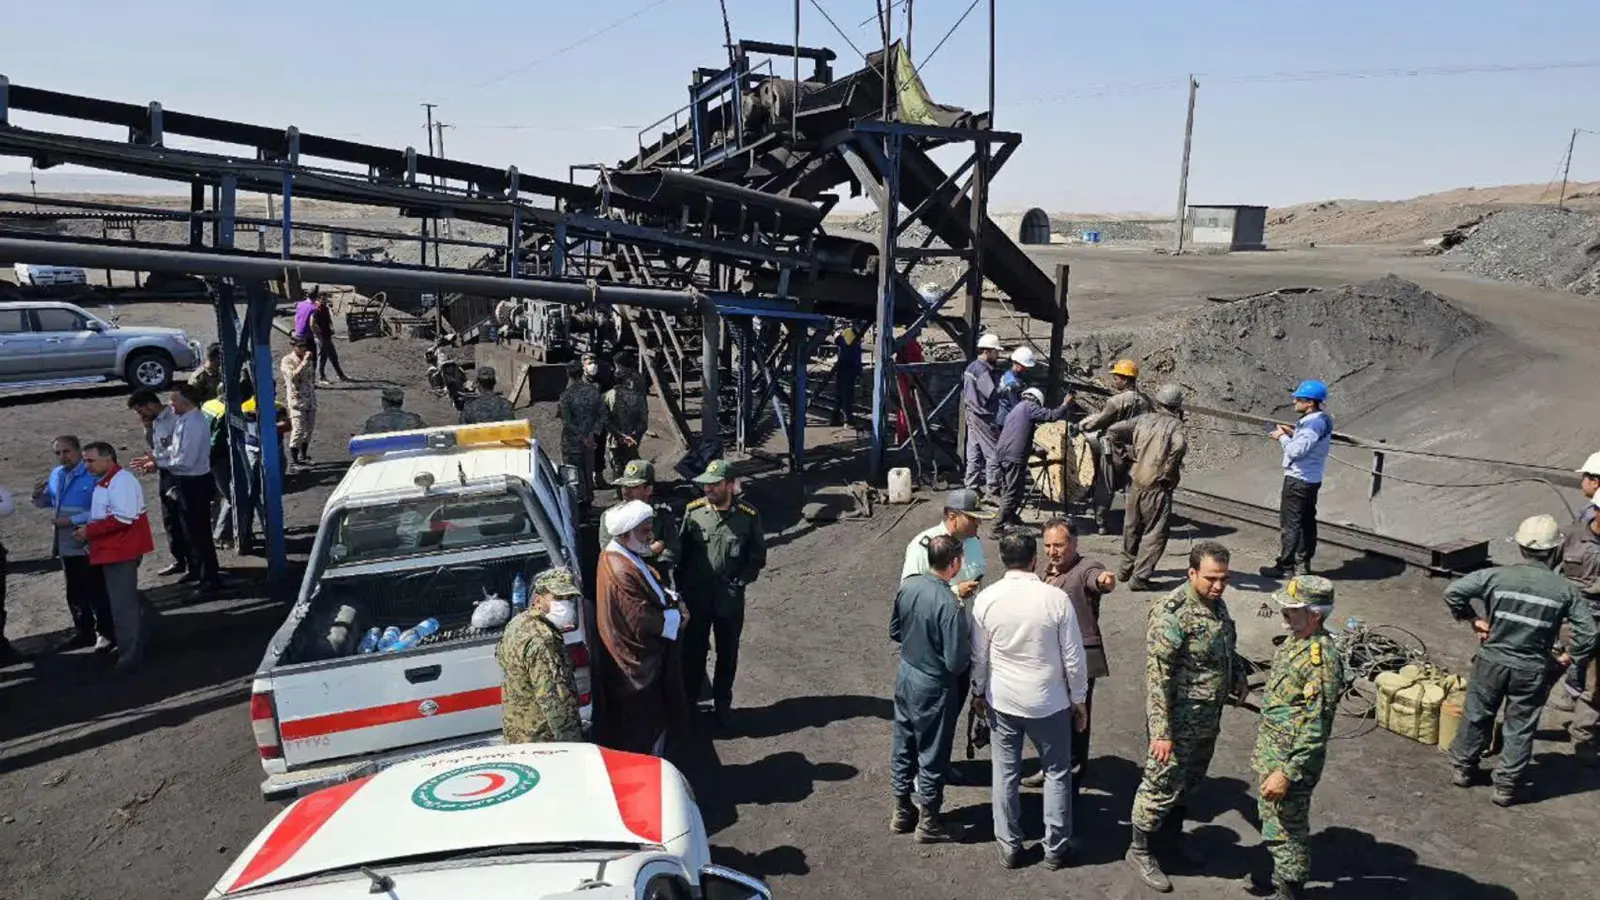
(146,787)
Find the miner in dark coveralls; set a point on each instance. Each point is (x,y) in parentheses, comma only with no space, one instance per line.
(935,641)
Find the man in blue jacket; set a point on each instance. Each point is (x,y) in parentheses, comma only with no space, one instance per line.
(68,493)
(1305,457)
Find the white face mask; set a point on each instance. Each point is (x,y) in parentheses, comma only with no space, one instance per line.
(563,614)
(591,369)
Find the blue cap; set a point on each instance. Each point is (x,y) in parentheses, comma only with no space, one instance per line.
(1311,389)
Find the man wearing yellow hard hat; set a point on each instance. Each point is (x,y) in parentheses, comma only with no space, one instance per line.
(1111,468)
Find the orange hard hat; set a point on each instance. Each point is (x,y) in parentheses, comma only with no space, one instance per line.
(1126,368)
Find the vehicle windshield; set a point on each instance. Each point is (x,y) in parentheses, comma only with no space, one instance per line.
(428,524)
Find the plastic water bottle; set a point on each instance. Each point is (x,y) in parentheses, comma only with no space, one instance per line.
(519,593)
(386,641)
(414,636)
(1352,624)
(370,642)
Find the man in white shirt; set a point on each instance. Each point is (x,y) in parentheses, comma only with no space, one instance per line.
(185,462)
(1029,667)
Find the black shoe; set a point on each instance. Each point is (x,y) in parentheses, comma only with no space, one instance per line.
(1055,862)
(173,569)
(205,590)
(934,829)
(1142,585)
(78,641)
(1277,572)
(903,817)
(10,655)
(189,578)
(1504,795)
(1462,777)
(1124,575)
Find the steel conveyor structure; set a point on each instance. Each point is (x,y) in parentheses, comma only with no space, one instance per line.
(725,200)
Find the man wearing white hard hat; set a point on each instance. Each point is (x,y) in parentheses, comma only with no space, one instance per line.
(639,619)
(1580,564)
(1011,383)
(1578,538)
(1014,448)
(980,397)
(1524,607)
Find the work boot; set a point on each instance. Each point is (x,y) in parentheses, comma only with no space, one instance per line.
(1144,863)
(904,816)
(1142,585)
(1009,858)
(1277,572)
(1055,862)
(1181,845)
(1462,776)
(933,828)
(1125,575)
(1504,795)
(1563,699)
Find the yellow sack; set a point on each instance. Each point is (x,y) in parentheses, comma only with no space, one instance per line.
(1408,703)
(1066,475)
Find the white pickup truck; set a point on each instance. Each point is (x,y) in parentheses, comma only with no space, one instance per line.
(422,526)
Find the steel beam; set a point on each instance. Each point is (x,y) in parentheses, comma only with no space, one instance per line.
(258,315)
(883,352)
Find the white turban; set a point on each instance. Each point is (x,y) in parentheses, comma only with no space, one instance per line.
(619,520)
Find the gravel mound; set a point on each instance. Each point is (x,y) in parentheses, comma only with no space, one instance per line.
(1370,342)
(1540,245)
(1114,229)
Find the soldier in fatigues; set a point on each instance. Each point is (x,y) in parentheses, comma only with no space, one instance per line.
(540,691)
(638,482)
(487,406)
(1190,669)
(1297,709)
(723,550)
(627,413)
(393,417)
(583,420)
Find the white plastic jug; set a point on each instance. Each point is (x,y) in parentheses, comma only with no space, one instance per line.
(900,485)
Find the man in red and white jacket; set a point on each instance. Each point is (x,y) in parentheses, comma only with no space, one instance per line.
(119,536)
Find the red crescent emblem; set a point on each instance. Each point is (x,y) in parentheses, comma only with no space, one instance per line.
(496,782)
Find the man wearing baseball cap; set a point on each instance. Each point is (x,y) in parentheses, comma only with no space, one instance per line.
(1298,705)
(638,482)
(1524,606)
(980,399)
(540,688)
(1305,455)
(723,550)
(394,416)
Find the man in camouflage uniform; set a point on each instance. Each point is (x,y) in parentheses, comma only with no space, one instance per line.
(723,550)
(1190,669)
(1297,709)
(540,692)
(638,482)
(627,413)
(393,417)
(583,420)
(487,406)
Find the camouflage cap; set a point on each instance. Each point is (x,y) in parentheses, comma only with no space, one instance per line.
(394,395)
(717,472)
(636,473)
(1305,590)
(486,373)
(557,581)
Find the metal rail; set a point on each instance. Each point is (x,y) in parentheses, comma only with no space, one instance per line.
(1445,559)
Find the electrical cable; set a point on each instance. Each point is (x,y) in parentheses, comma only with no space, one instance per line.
(572,46)
(840,31)
(926,59)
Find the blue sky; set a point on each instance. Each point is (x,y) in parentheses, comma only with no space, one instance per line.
(1096,88)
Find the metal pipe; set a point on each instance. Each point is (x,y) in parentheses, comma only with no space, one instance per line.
(149,260)
(666,187)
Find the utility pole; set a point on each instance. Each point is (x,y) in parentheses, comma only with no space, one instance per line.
(435,182)
(1183,178)
(445,230)
(1566,169)
(991,69)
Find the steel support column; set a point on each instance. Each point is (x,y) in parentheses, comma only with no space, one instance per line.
(1058,333)
(258,317)
(883,348)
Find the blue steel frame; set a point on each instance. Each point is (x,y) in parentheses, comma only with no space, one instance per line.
(806,330)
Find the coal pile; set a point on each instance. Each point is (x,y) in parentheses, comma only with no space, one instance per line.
(1370,342)
(1538,245)
(1113,229)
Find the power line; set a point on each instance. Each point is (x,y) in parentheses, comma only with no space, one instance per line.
(836,28)
(1308,75)
(947,34)
(572,46)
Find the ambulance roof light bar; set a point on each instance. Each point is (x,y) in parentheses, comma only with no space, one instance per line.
(515,432)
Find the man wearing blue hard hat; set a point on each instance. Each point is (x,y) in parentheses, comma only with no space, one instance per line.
(1305,455)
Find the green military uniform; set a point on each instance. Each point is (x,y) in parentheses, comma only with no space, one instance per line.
(1189,670)
(1298,706)
(539,695)
(392,417)
(628,415)
(583,415)
(722,551)
(640,472)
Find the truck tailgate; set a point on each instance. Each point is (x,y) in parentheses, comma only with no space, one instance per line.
(378,702)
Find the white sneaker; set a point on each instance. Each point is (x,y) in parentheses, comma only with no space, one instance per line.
(101,644)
